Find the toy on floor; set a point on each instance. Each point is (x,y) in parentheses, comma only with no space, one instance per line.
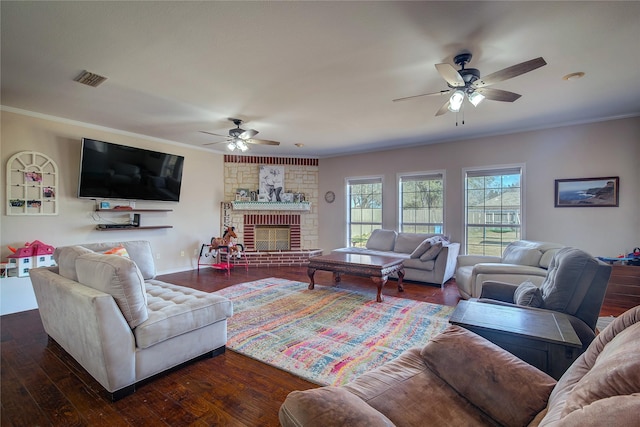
(221,250)
(227,241)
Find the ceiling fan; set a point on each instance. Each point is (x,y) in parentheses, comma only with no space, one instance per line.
(467,82)
(239,138)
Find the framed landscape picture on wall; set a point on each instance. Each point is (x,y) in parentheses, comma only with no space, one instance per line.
(587,192)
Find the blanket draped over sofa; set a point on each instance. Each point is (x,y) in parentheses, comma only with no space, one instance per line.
(103,305)
(428,258)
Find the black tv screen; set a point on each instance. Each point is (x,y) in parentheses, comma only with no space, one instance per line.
(113,171)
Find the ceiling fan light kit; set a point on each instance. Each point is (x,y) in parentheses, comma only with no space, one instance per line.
(237,144)
(456,100)
(475,98)
(239,138)
(467,82)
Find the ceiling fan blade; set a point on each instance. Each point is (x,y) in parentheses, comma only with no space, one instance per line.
(510,72)
(261,142)
(443,109)
(442,92)
(498,95)
(450,74)
(214,143)
(214,134)
(249,133)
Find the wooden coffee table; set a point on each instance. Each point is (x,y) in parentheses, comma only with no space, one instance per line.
(542,338)
(378,268)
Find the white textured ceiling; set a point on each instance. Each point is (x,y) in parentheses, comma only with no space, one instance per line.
(322,74)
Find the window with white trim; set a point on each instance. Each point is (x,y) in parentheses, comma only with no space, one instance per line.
(364,209)
(421,202)
(493,209)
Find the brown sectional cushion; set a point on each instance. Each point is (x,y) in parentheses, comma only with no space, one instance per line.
(410,394)
(325,406)
(616,372)
(119,277)
(508,389)
(612,411)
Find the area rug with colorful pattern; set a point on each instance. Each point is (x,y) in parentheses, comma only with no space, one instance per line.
(328,335)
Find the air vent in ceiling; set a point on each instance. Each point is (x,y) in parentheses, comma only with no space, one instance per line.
(89,79)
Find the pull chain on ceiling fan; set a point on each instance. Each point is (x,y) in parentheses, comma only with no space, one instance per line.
(467,83)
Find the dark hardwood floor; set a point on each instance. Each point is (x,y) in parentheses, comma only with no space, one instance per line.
(42,385)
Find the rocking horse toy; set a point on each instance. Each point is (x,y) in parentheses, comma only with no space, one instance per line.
(225,245)
(227,241)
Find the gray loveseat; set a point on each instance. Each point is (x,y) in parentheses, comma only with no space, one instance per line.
(428,258)
(462,379)
(120,323)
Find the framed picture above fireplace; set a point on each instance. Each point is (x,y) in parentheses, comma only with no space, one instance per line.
(271,183)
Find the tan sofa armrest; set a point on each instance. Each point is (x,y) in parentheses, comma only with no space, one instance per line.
(329,406)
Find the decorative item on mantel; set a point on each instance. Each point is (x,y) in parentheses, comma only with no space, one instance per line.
(271,206)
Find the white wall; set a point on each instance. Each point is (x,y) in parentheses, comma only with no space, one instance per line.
(601,149)
(610,148)
(195,219)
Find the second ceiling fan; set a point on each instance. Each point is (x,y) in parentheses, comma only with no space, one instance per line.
(467,83)
(239,138)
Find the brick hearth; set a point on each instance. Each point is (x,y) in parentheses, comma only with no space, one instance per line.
(280,258)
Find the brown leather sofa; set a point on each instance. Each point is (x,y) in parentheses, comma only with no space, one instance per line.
(461,379)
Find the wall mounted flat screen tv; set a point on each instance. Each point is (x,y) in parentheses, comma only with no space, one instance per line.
(113,171)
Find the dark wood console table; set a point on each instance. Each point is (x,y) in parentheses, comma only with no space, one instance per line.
(544,339)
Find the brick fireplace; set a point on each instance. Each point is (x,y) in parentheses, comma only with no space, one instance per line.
(300,227)
(294,256)
(253,221)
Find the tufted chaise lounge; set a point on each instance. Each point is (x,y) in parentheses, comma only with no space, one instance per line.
(120,323)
